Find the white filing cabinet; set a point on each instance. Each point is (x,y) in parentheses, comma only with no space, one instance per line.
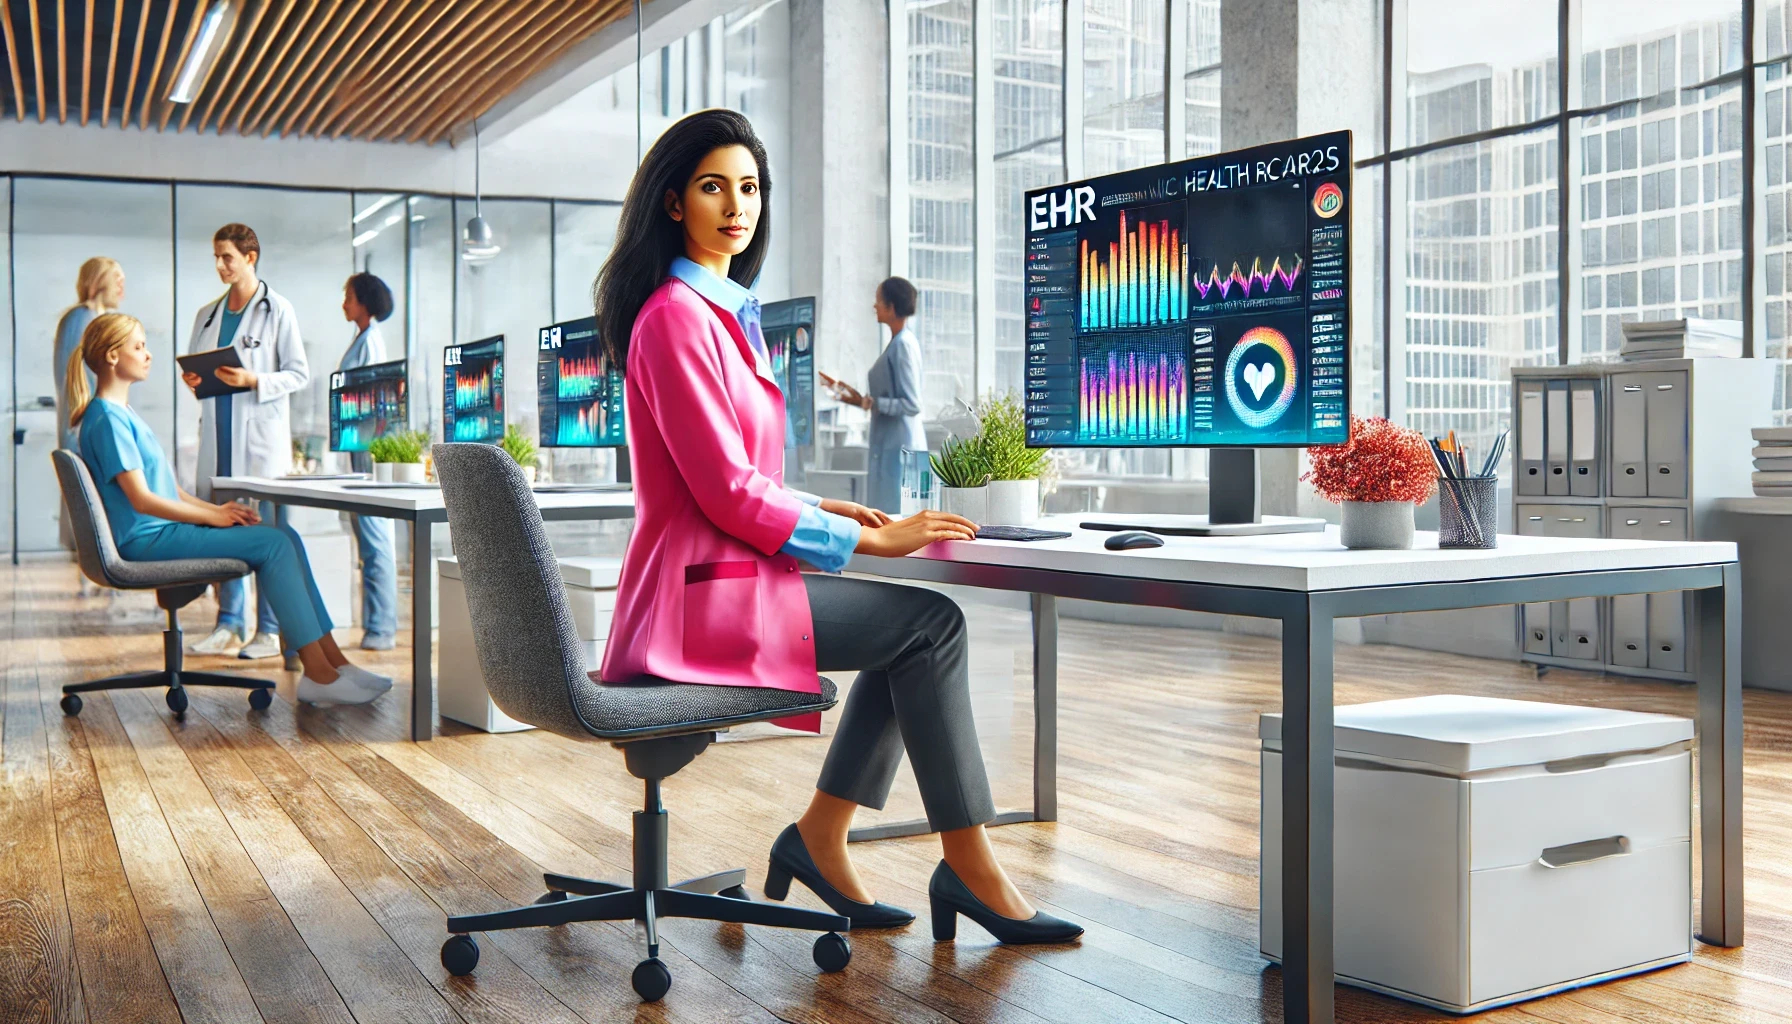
(1629,450)
(460,688)
(1490,851)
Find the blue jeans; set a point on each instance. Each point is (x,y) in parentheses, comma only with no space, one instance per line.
(379,576)
(282,572)
(231,593)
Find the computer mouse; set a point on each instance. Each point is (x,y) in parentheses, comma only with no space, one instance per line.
(1130,539)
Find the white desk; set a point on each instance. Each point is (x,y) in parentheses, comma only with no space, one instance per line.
(1306,581)
(423,509)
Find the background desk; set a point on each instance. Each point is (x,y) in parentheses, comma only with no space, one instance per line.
(1307,581)
(423,509)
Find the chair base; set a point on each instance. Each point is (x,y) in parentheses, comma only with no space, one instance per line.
(171,675)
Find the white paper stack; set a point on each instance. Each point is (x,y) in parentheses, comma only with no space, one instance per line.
(1692,338)
(1773,462)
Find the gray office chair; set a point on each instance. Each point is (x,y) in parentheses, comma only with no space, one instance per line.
(534,667)
(177,583)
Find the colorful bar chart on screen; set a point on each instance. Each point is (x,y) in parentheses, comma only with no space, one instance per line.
(473,391)
(366,403)
(1140,278)
(579,393)
(1134,390)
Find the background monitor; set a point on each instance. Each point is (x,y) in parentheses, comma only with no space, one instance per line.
(789,328)
(473,391)
(1200,303)
(580,392)
(367,402)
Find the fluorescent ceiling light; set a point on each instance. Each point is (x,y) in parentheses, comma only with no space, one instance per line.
(366,236)
(384,202)
(204,53)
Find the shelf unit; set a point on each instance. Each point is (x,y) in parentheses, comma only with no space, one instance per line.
(1629,450)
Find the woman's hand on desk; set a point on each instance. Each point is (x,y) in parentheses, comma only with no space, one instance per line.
(861,514)
(903,536)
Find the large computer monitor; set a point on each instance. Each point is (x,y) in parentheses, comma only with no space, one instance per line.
(789,328)
(1199,303)
(367,402)
(473,391)
(580,392)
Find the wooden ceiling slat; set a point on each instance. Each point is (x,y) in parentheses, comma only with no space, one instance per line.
(155,70)
(400,44)
(87,63)
(538,53)
(451,56)
(348,84)
(130,84)
(61,63)
(423,104)
(302,113)
(37,60)
(186,49)
(111,63)
(12,61)
(317,50)
(249,71)
(236,56)
(279,71)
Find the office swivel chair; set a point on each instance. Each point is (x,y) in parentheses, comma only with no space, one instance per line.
(534,667)
(177,582)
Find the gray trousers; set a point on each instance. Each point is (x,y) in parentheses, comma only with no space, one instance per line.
(912,652)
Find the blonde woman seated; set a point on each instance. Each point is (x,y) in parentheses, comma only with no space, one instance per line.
(154,520)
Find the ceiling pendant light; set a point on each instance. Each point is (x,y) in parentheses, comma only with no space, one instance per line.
(477,243)
(198,65)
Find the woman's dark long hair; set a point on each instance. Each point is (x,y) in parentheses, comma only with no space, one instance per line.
(648,240)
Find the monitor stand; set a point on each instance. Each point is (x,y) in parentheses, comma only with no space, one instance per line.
(1233,498)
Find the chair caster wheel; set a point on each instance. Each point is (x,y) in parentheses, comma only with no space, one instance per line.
(735,892)
(177,700)
(71,704)
(832,952)
(551,896)
(460,954)
(651,980)
(261,699)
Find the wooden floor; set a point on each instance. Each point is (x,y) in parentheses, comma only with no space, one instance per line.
(296,865)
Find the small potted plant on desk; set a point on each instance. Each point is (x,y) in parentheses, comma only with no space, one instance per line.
(1378,475)
(521,450)
(1014,468)
(398,457)
(963,476)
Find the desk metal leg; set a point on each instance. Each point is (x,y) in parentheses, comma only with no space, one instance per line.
(423,683)
(1717,615)
(1045,736)
(1307,757)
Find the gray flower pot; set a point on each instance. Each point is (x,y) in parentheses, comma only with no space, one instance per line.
(1383,525)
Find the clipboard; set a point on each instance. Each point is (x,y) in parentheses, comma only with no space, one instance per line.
(205,364)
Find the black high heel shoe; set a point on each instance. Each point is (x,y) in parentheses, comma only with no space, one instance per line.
(790,859)
(949,897)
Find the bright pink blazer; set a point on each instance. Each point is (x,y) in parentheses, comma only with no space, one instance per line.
(706,596)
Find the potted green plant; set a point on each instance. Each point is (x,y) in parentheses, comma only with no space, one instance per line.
(521,450)
(398,456)
(1014,468)
(963,477)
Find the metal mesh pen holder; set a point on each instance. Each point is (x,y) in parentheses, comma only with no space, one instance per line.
(1468,512)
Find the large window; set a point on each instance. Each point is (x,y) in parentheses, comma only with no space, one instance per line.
(1029,62)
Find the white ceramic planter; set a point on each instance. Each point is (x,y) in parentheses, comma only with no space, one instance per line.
(406,472)
(1013,502)
(969,502)
(1378,525)
(529,474)
(382,472)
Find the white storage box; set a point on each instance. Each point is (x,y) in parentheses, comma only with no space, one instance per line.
(1491,851)
(460,689)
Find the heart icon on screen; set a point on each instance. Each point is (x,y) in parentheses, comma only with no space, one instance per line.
(1259,377)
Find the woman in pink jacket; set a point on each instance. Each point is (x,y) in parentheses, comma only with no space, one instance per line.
(711,591)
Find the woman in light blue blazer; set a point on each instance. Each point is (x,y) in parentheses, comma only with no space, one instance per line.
(892,395)
(366,300)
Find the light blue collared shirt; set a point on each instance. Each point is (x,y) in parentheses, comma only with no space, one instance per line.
(822,539)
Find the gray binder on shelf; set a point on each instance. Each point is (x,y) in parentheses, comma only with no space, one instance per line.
(1583,441)
(1555,443)
(1667,632)
(1629,428)
(1530,437)
(1667,434)
(1630,631)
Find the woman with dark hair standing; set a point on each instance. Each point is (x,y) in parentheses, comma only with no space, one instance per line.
(710,591)
(892,395)
(366,301)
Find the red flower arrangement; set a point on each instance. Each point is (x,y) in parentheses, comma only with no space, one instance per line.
(1380,462)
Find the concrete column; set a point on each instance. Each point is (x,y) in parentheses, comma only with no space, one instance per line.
(835,186)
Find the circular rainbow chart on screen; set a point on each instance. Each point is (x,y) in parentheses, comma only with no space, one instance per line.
(1261,358)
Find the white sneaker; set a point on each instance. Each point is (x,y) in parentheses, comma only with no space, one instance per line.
(262,645)
(220,641)
(371,680)
(345,690)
